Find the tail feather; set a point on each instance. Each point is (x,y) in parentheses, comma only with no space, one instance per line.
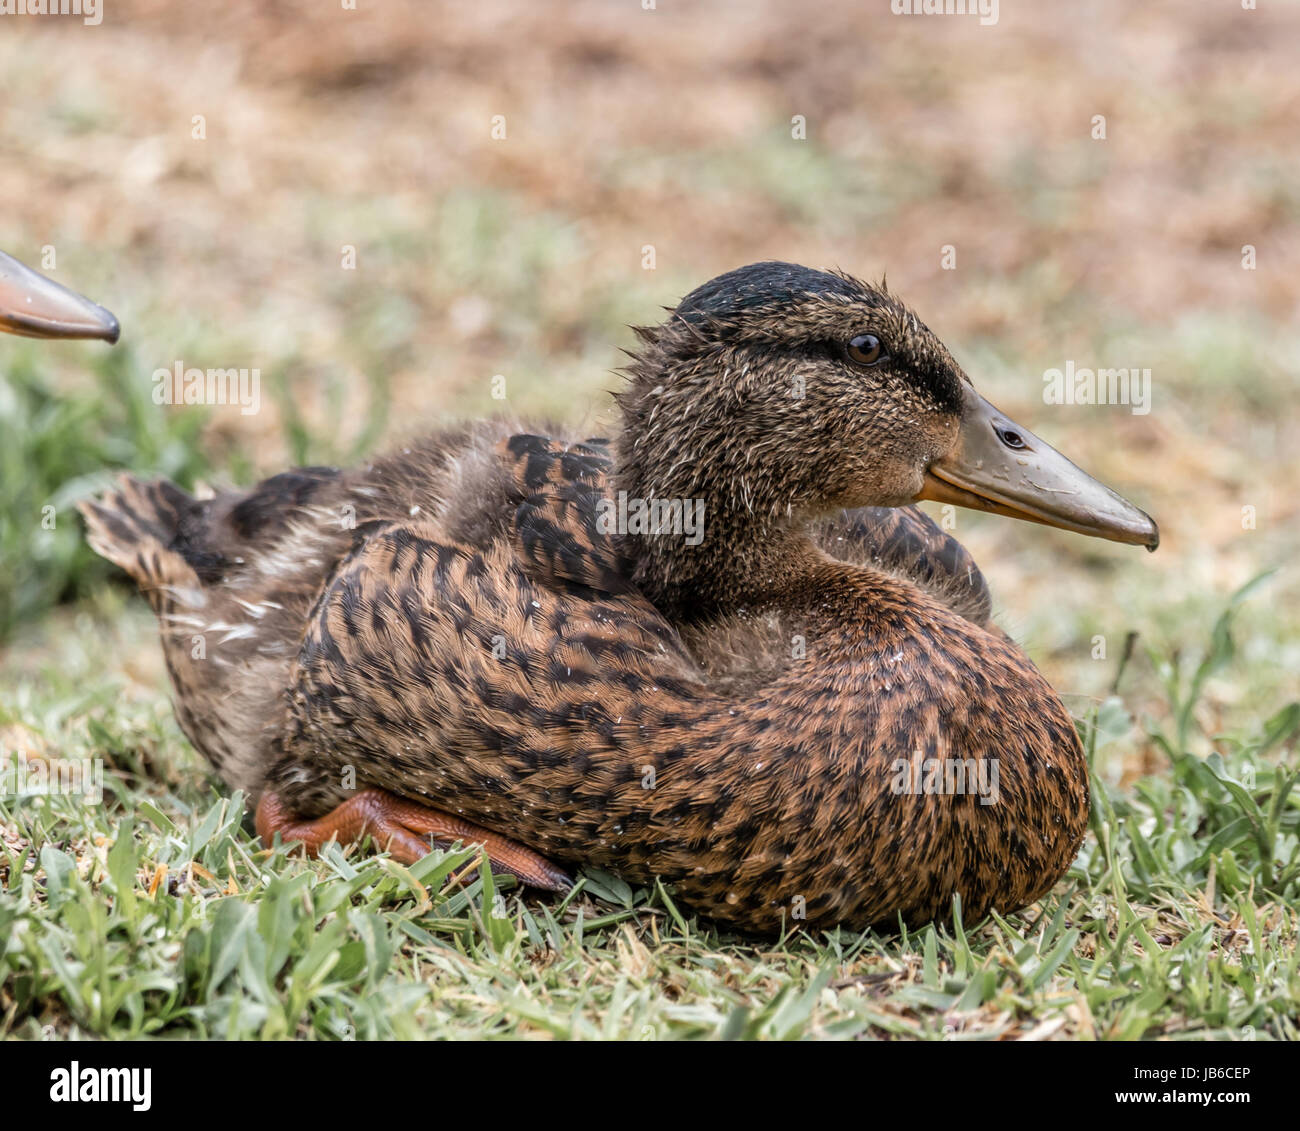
(231,578)
(135,527)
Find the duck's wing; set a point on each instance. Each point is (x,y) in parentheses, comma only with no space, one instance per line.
(560,530)
(234,577)
(907,542)
(432,669)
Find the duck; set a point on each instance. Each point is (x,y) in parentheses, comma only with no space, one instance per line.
(35,306)
(722,649)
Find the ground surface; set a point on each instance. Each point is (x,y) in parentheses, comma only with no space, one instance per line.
(523,256)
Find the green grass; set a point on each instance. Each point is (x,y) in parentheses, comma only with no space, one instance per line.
(158,913)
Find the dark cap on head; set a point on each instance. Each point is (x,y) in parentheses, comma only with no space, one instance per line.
(762,285)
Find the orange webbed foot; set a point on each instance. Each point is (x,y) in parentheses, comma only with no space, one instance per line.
(405,828)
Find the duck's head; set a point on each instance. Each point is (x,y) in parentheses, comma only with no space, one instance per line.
(782,392)
(36,307)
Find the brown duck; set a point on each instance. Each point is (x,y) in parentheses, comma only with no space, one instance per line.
(722,648)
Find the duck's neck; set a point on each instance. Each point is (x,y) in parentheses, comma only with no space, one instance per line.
(731,476)
(719,557)
(721,575)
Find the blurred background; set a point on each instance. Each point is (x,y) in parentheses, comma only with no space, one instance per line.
(520,181)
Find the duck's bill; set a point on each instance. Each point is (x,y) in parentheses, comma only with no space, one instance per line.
(1033,481)
(36,307)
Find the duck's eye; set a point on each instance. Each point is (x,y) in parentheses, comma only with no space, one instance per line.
(1011,438)
(865,349)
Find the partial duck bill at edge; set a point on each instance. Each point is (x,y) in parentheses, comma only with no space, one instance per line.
(1033,482)
(33,306)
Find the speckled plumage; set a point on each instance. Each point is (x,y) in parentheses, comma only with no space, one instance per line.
(452,623)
